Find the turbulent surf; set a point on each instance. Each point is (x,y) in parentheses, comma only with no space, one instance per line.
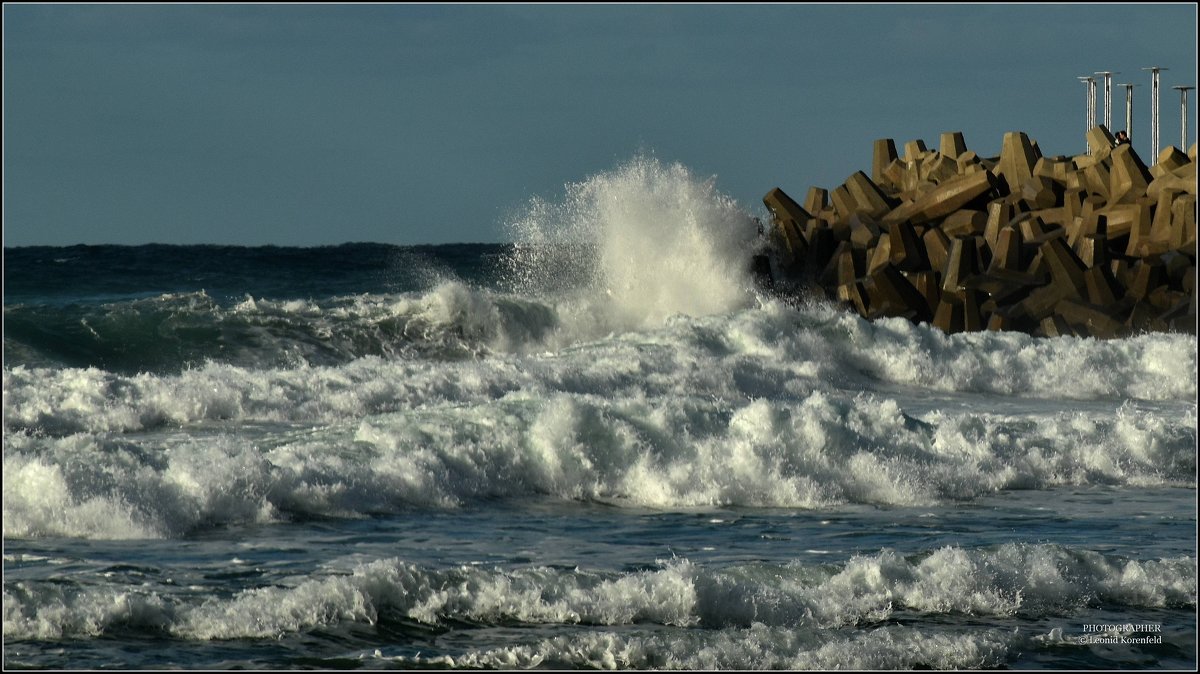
(600,445)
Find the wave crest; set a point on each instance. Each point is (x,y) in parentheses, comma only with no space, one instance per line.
(1034,579)
(631,247)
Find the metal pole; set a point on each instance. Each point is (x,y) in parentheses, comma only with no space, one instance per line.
(1154,70)
(1092,102)
(1090,119)
(1183,116)
(1107,97)
(1128,110)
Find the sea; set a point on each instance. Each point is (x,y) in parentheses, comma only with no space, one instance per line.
(599,445)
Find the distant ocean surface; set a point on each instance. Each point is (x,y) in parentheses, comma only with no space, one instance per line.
(598,447)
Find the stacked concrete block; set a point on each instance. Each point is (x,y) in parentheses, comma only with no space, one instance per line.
(1129,177)
(952,144)
(1094,245)
(885,154)
(1017,159)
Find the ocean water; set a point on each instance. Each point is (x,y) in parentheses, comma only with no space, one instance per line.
(598,447)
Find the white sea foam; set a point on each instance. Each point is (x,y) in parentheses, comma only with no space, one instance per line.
(773,352)
(107,488)
(1155,366)
(628,248)
(42,501)
(756,648)
(54,611)
(769,405)
(863,591)
(820,450)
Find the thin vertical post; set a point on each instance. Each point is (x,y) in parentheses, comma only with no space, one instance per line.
(1154,125)
(1107,97)
(1183,116)
(1128,110)
(1090,119)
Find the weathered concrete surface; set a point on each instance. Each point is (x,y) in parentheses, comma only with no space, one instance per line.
(907,253)
(1089,246)
(1097,179)
(1183,179)
(952,144)
(914,150)
(1006,252)
(1128,178)
(1017,159)
(817,200)
(945,198)
(937,248)
(937,168)
(867,197)
(1169,160)
(1183,224)
(864,231)
(885,154)
(783,208)
(1102,288)
(1039,192)
(1101,142)
(965,223)
(1093,250)
(894,295)
(960,265)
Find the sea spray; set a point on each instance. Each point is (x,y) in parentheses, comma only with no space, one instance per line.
(667,451)
(864,590)
(624,250)
(628,248)
(287,458)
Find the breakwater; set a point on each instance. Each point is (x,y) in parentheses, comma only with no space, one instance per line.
(1096,245)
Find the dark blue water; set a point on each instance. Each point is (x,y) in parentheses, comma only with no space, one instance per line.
(164,308)
(228,273)
(757,549)
(372,456)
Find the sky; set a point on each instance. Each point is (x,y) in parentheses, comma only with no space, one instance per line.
(307,125)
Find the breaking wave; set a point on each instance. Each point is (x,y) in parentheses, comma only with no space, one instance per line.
(866,590)
(822,450)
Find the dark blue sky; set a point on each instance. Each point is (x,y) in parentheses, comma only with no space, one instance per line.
(319,124)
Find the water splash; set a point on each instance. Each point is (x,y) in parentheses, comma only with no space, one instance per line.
(628,248)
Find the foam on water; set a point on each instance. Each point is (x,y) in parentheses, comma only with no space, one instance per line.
(764,407)
(58,611)
(819,451)
(624,360)
(173,332)
(1152,366)
(757,648)
(1033,580)
(628,248)
(774,351)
